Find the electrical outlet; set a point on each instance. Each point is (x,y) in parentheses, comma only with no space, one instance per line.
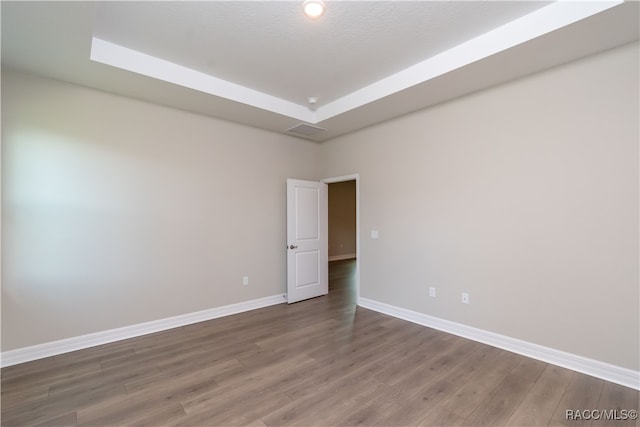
(465,298)
(245,280)
(432,292)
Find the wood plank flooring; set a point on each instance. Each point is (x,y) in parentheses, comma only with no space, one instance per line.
(315,363)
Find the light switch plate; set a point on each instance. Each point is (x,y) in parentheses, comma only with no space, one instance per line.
(375,234)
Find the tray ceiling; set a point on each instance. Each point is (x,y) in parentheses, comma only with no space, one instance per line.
(257,63)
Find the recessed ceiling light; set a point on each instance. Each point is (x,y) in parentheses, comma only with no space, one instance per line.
(313,8)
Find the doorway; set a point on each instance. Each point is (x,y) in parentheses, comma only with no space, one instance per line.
(344,237)
(342,221)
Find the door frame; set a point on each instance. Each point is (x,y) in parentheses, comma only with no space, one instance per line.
(356,178)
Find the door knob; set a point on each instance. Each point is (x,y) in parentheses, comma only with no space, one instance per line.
(292,247)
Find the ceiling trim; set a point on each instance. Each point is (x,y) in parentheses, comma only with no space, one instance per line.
(132,60)
(538,23)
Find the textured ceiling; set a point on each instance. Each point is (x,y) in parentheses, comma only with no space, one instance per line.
(271,47)
(257,62)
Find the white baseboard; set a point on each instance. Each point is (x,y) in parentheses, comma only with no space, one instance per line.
(595,368)
(341,257)
(27,354)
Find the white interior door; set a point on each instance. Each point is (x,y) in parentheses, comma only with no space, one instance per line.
(307,240)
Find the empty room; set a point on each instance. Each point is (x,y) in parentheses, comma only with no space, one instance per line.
(320,213)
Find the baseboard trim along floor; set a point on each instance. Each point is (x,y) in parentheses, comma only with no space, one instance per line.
(27,354)
(595,368)
(342,257)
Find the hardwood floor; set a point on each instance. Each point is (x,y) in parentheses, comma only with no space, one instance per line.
(317,362)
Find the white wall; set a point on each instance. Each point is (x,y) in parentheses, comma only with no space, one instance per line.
(524,195)
(117,212)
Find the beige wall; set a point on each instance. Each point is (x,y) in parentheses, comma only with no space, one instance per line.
(342,219)
(524,196)
(117,212)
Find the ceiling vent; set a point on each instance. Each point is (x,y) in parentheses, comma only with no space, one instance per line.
(305,129)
